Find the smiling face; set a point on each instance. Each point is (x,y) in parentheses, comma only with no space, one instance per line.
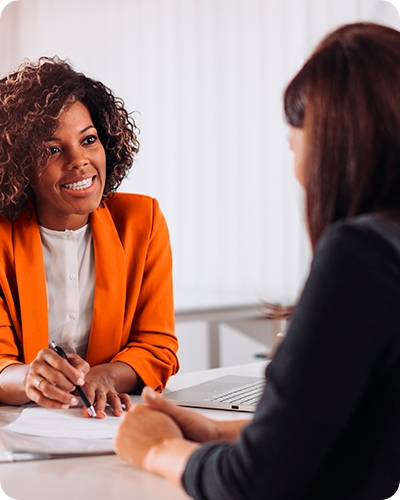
(72,183)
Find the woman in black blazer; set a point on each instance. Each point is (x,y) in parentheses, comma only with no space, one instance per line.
(328,424)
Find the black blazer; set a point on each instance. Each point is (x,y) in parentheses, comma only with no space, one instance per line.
(328,424)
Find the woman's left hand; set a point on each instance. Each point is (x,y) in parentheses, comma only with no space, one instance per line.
(102,384)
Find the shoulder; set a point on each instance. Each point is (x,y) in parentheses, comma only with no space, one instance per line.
(129,206)
(364,240)
(371,229)
(131,213)
(130,203)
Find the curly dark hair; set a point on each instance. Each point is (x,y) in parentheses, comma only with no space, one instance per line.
(31,102)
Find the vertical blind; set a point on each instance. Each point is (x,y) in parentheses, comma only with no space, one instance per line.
(204,79)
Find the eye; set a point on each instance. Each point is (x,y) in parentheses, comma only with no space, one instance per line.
(54,150)
(91,139)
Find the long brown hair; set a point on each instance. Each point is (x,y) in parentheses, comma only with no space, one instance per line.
(347,99)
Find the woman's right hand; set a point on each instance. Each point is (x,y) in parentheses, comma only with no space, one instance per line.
(51,380)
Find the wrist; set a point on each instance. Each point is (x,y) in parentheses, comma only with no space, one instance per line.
(229,430)
(13,384)
(169,458)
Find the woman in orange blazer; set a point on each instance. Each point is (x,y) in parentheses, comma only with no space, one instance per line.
(79,263)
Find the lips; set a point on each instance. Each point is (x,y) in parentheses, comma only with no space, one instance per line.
(79,185)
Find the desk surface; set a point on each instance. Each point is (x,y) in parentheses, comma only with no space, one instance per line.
(106,477)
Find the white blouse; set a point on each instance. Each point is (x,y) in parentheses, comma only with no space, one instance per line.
(70,278)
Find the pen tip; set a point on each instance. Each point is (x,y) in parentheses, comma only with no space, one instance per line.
(92,411)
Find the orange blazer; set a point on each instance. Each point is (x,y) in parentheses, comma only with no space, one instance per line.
(133,316)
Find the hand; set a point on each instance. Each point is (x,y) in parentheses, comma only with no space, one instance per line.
(193,424)
(141,430)
(101,387)
(51,380)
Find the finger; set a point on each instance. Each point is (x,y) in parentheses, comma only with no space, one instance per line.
(46,402)
(100,403)
(45,394)
(47,390)
(37,382)
(194,426)
(118,401)
(61,365)
(115,402)
(79,364)
(42,367)
(39,388)
(126,400)
(91,396)
(55,377)
(158,402)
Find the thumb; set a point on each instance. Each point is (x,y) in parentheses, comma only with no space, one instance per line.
(158,402)
(152,398)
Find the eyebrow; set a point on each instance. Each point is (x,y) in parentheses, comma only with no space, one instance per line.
(81,132)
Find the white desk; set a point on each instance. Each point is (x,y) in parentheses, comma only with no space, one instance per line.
(105,477)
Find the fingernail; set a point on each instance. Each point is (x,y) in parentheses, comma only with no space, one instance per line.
(149,392)
(65,407)
(74,401)
(80,381)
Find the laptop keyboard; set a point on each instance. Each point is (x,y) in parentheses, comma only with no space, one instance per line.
(248,394)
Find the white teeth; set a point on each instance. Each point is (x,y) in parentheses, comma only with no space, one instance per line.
(78,186)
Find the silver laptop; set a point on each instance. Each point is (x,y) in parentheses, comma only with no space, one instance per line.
(231,392)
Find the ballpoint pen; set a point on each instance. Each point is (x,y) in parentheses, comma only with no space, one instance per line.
(90,407)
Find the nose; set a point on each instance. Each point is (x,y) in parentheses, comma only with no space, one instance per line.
(76,158)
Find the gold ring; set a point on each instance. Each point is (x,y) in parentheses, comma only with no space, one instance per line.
(38,382)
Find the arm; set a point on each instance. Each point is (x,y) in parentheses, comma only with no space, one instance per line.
(131,242)
(152,345)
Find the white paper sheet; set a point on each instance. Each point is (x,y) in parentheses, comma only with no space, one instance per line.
(63,424)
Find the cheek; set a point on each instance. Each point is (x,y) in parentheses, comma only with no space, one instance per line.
(299,168)
(101,163)
(42,182)
(297,145)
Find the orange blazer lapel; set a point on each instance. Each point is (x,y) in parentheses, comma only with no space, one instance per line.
(31,280)
(110,289)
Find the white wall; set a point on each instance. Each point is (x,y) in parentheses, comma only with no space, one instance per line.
(206,79)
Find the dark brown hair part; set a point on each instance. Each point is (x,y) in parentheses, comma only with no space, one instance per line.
(31,101)
(347,99)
